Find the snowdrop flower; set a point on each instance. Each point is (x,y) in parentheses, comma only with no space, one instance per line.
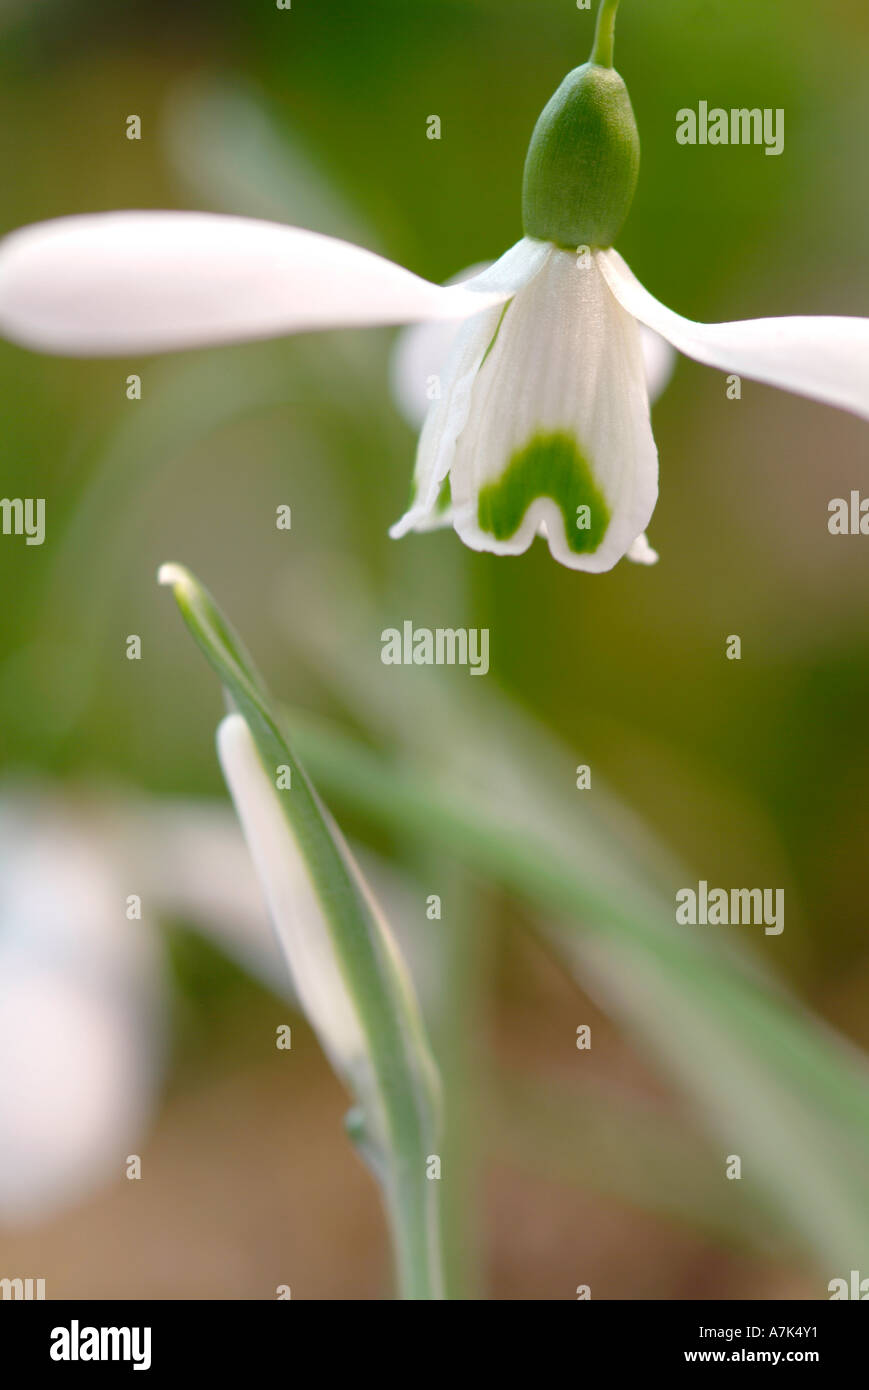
(542,421)
(416,372)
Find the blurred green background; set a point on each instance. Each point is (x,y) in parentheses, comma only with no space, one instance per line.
(754,772)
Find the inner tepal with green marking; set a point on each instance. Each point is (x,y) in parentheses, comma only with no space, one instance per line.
(553,466)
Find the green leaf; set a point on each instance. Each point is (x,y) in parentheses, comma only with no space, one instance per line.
(345,963)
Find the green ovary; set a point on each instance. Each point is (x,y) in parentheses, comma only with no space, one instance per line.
(551,465)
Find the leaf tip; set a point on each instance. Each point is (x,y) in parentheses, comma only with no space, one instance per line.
(174,576)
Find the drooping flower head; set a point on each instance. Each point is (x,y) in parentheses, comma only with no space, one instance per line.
(540,424)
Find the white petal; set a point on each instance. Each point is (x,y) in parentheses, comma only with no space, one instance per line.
(642,553)
(419,355)
(824,358)
(421,350)
(444,422)
(659,360)
(294,905)
(123,282)
(449,410)
(562,393)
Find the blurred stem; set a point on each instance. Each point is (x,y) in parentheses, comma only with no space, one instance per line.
(462,959)
(415,1222)
(463,965)
(604,34)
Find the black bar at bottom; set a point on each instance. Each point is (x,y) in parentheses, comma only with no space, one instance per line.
(74,1338)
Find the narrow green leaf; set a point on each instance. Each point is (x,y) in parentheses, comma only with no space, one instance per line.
(345,963)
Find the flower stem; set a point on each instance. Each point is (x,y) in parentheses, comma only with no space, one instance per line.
(602,51)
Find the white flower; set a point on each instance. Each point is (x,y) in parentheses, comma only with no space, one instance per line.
(418,364)
(543,406)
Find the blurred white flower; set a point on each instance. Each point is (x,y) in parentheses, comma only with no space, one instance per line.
(84,990)
(80,1029)
(83,987)
(295,903)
